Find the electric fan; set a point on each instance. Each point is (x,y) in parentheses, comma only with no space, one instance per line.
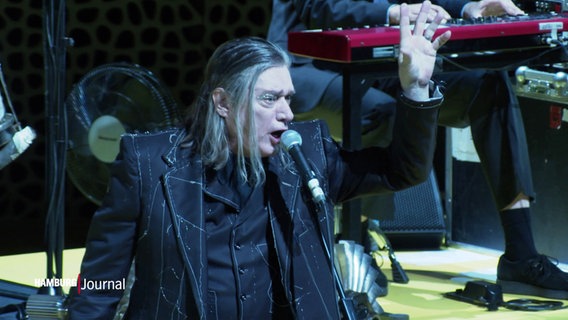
(108,101)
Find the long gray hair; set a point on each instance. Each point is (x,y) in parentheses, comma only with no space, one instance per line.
(235,67)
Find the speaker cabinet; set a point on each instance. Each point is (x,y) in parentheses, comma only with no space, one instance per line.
(417,221)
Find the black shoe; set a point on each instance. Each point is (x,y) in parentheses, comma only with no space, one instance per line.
(537,276)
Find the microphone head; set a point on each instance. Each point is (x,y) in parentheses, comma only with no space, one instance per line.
(290,138)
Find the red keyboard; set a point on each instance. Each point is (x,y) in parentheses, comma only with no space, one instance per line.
(499,33)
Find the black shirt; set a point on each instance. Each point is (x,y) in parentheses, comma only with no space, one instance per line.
(244,278)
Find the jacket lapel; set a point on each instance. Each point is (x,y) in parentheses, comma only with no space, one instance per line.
(297,234)
(183,188)
(281,211)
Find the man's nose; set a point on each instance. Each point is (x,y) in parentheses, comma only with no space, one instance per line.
(284,110)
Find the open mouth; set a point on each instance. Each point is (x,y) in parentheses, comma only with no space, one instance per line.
(277,134)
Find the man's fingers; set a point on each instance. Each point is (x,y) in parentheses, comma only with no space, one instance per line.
(436,10)
(441,40)
(404,19)
(433,26)
(429,32)
(422,18)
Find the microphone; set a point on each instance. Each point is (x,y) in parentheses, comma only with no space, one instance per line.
(292,142)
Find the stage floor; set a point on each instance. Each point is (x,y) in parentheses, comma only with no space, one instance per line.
(431,274)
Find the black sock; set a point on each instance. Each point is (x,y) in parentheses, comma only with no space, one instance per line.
(519,242)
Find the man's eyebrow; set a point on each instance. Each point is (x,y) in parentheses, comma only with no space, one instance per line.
(277,92)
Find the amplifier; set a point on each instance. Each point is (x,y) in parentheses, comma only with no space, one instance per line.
(542,5)
(547,85)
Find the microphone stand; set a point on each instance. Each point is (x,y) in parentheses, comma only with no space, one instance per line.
(49,300)
(55,44)
(346,304)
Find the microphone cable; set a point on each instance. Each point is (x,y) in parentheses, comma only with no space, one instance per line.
(533,305)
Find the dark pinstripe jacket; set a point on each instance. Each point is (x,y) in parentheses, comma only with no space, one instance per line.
(153,212)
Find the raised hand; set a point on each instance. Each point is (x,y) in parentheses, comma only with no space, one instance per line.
(418,52)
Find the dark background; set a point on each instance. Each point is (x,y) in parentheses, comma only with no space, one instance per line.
(173,39)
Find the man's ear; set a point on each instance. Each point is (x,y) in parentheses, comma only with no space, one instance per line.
(220,100)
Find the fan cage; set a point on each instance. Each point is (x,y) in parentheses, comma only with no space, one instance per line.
(121,90)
